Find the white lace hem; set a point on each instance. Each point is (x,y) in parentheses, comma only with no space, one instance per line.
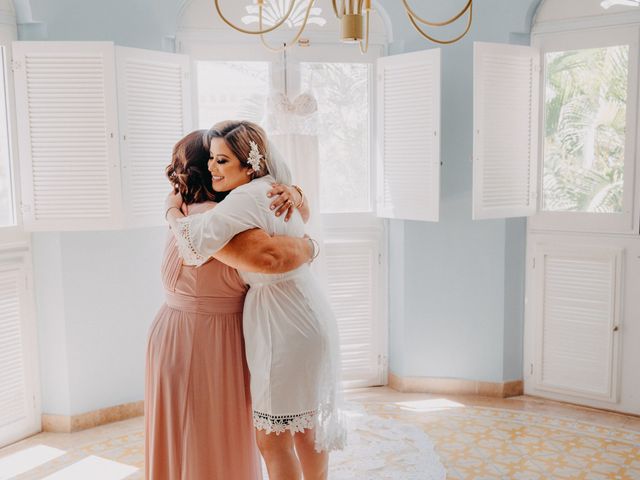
(278,424)
(187,250)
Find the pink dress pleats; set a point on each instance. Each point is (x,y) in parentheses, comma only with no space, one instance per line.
(198,417)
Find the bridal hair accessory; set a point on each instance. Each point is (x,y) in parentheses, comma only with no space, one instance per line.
(254,157)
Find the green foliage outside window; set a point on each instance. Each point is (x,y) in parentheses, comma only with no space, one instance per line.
(585,121)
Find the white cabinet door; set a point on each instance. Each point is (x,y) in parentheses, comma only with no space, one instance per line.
(154,106)
(577,320)
(96,128)
(67,135)
(505,125)
(408,123)
(19,391)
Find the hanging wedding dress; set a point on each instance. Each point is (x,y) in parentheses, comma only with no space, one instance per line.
(292,126)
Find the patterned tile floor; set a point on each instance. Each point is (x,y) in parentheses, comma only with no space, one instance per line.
(476,438)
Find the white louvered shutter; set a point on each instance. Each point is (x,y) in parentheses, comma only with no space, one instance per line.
(67,135)
(408,112)
(505,121)
(353,276)
(578,312)
(155,112)
(19,415)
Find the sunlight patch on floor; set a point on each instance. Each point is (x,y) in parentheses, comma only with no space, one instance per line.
(430,405)
(28,459)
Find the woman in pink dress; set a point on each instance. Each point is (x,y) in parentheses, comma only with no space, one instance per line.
(198,421)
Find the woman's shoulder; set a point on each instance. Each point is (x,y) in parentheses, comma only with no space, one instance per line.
(257,188)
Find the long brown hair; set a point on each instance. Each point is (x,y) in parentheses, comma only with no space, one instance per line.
(188,171)
(238,135)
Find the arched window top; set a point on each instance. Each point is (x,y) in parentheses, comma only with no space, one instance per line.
(200,16)
(580,10)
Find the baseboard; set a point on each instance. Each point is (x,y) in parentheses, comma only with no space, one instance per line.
(455,386)
(75,423)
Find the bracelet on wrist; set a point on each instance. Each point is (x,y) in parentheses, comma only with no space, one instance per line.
(316,249)
(301,192)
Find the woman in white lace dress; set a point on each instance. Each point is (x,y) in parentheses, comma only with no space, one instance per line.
(290,333)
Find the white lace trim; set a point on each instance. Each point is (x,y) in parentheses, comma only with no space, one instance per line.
(185,244)
(280,423)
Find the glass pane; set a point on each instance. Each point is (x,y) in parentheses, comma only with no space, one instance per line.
(342,92)
(7,216)
(585,121)
(231,91)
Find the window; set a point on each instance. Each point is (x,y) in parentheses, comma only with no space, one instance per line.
(584,132)
(587,172)
(342,91)
(231,90)
(7,205)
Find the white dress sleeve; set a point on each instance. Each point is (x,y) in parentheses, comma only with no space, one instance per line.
(200,236)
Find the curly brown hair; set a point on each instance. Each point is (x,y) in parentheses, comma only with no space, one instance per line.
(188,171)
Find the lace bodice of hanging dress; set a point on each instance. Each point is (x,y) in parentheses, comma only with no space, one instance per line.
(291,117)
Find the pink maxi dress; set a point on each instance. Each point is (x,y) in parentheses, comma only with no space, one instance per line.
(198,416)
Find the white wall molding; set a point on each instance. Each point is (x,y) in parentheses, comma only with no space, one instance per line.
(581,23)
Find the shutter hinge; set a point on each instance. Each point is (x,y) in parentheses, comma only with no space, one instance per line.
(379,259)
(533,262)
(382,361)
(15,65)
(531,369)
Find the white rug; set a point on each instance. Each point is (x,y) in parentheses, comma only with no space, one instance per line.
(384,449)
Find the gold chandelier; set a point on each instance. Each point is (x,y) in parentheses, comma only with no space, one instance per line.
(354,16)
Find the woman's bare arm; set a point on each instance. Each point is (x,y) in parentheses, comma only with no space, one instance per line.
(252,250)
(256,251)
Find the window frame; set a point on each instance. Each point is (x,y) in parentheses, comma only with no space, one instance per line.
(11,234)
(626,222)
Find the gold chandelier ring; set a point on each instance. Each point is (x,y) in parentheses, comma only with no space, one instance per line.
(414,16)
(442,42)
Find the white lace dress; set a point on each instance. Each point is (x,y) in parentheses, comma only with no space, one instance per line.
(289,329)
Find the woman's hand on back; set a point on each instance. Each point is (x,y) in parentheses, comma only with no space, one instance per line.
(286,200)
(174,200)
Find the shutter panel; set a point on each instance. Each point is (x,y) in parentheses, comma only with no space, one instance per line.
(352,274)
(67,124)
(18,409)
(505,119)
(578,314)
(408,105)
(155,112)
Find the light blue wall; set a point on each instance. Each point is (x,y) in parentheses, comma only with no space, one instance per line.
(456,303)
(456,286)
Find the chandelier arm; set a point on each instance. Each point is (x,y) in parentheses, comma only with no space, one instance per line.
(334,3)
(297,36)
(254,32)
(442,42)
(365,48)
(414,15)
